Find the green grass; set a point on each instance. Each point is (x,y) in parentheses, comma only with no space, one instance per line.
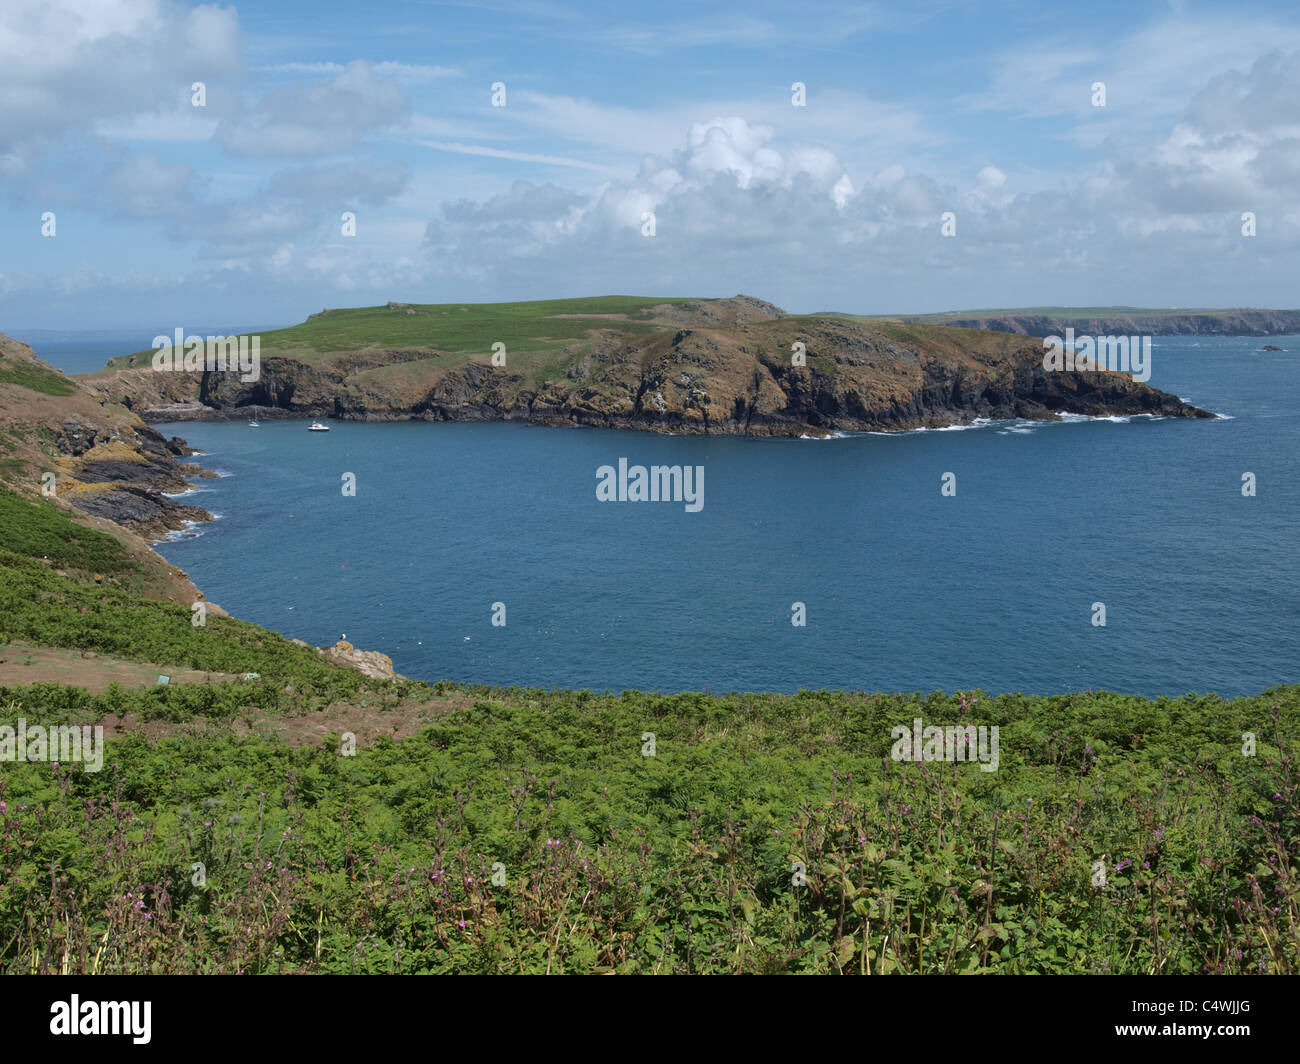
(35,378)
(37,529)
(537,326)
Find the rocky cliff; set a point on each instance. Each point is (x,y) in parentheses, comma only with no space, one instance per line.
(736,366)
(103,459)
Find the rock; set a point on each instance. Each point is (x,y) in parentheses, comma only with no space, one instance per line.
(75,437)
(370,662)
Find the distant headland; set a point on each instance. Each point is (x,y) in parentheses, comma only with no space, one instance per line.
(737,366)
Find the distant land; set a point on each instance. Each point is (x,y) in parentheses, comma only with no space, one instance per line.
(737,366)
(1127,321)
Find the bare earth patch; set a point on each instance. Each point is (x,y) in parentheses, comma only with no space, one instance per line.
(22,663)
(367,723)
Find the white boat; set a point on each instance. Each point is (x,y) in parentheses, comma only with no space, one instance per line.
(254,423)
(316,426)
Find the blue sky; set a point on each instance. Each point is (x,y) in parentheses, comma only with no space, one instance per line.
(168,214)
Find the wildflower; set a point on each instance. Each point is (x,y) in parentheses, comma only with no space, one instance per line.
(460,923)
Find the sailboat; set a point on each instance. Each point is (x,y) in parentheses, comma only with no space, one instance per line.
(254,423)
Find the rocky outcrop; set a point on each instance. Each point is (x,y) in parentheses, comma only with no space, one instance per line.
(107,462)
(148,513)
(369,662)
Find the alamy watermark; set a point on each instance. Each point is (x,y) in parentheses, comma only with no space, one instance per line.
(655,484)
(180,353)
(1121,354)
(79,1017)
(58,744)
(954,742)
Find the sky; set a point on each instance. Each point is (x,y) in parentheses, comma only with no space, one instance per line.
(494,151)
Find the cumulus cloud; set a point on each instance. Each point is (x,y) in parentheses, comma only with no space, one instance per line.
(735,208)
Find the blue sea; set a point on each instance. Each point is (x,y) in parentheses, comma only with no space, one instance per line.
(902,588)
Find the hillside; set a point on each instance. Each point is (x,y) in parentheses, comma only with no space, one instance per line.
(1120,321)
(110,471)
(686,366)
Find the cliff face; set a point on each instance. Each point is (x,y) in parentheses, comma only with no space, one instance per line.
(106,461)
(717,366)
(1137,323)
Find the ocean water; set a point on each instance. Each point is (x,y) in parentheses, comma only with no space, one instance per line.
(903,588)
(85,351)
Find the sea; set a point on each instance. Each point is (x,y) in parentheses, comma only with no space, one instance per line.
(1133,554)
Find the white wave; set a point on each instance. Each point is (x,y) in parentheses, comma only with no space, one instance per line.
(189,530)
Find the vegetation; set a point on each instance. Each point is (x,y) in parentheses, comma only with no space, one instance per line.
(563,831)
(35,377)
(528,833)
(37,529)
(463,328)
